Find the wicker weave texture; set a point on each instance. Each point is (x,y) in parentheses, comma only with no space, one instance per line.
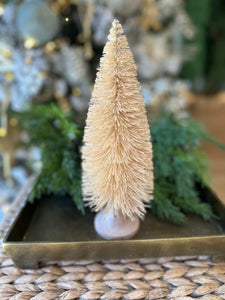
(162,278)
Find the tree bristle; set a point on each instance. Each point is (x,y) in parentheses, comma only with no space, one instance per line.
(117,153)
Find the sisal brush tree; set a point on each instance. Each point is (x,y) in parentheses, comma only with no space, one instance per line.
(117,152)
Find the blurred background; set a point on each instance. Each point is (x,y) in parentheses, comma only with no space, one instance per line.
(50,49)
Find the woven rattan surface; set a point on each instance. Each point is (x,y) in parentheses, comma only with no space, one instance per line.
(149,278)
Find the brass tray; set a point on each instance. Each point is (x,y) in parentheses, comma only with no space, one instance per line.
(52,229)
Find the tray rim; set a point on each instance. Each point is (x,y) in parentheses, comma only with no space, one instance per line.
(29,255)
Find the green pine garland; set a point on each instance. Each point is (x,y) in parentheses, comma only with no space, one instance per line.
(179,161)
(59,139)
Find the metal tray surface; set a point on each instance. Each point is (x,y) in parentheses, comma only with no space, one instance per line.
(52,229)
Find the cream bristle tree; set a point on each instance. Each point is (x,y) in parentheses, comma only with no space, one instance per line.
(117,152)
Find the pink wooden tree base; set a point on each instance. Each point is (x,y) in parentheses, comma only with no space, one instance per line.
(112,227)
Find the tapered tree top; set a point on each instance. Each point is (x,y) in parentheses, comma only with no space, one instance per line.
(117,153)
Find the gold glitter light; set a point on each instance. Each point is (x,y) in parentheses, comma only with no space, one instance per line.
(30,43)
(1,9)
(2,132)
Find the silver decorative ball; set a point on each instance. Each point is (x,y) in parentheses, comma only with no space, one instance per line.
(36,20)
